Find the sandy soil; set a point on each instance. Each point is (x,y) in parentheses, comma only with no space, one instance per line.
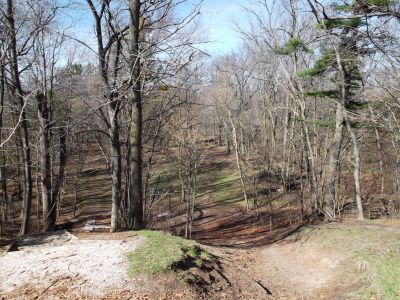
(300,271)
(85,267)
(283,271)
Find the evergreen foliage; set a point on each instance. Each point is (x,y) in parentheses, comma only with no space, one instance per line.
(340,23)
(323,94)
(293,45)
(327,60)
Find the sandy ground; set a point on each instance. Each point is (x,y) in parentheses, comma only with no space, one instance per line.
(87,267)
(296,271)
(282,271)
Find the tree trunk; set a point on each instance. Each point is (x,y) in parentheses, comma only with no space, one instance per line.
(312,170)
(3,158)
(357,171)
(381,161)
(18,94)
(237,154)
(59,180)
(284,143)
(135,195)
(330,171)
(49,207)
(116,172)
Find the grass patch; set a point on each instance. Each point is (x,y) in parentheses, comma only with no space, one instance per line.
(383,279)
(227,188)
(163,252)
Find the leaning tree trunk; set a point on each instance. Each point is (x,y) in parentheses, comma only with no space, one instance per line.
(113,108)
(135,193)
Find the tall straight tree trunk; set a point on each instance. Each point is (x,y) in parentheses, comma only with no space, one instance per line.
(381,156)
(180,173)
(239,166)
(49,208)
(226,139)
(330,171)
(3,158)
(62,161)
(18,94)
(116,172)
(135,193)
(381,160)
(285,142)
(357,170)
(312,170)
(113,109)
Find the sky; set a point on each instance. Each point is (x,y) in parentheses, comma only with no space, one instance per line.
(216,17)
(215,20)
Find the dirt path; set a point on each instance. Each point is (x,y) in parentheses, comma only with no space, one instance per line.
(299,271)
(282,271)
(317,262)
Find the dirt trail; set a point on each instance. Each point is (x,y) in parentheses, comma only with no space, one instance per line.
(296,271)
(316,262)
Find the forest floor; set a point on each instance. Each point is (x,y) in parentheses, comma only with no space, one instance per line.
(331,261)
(271,254)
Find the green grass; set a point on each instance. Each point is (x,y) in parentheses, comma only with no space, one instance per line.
(227,187)
(163,252)
(383,280)
(218,180)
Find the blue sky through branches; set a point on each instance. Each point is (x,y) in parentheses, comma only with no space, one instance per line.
(216,17)
(216,22)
